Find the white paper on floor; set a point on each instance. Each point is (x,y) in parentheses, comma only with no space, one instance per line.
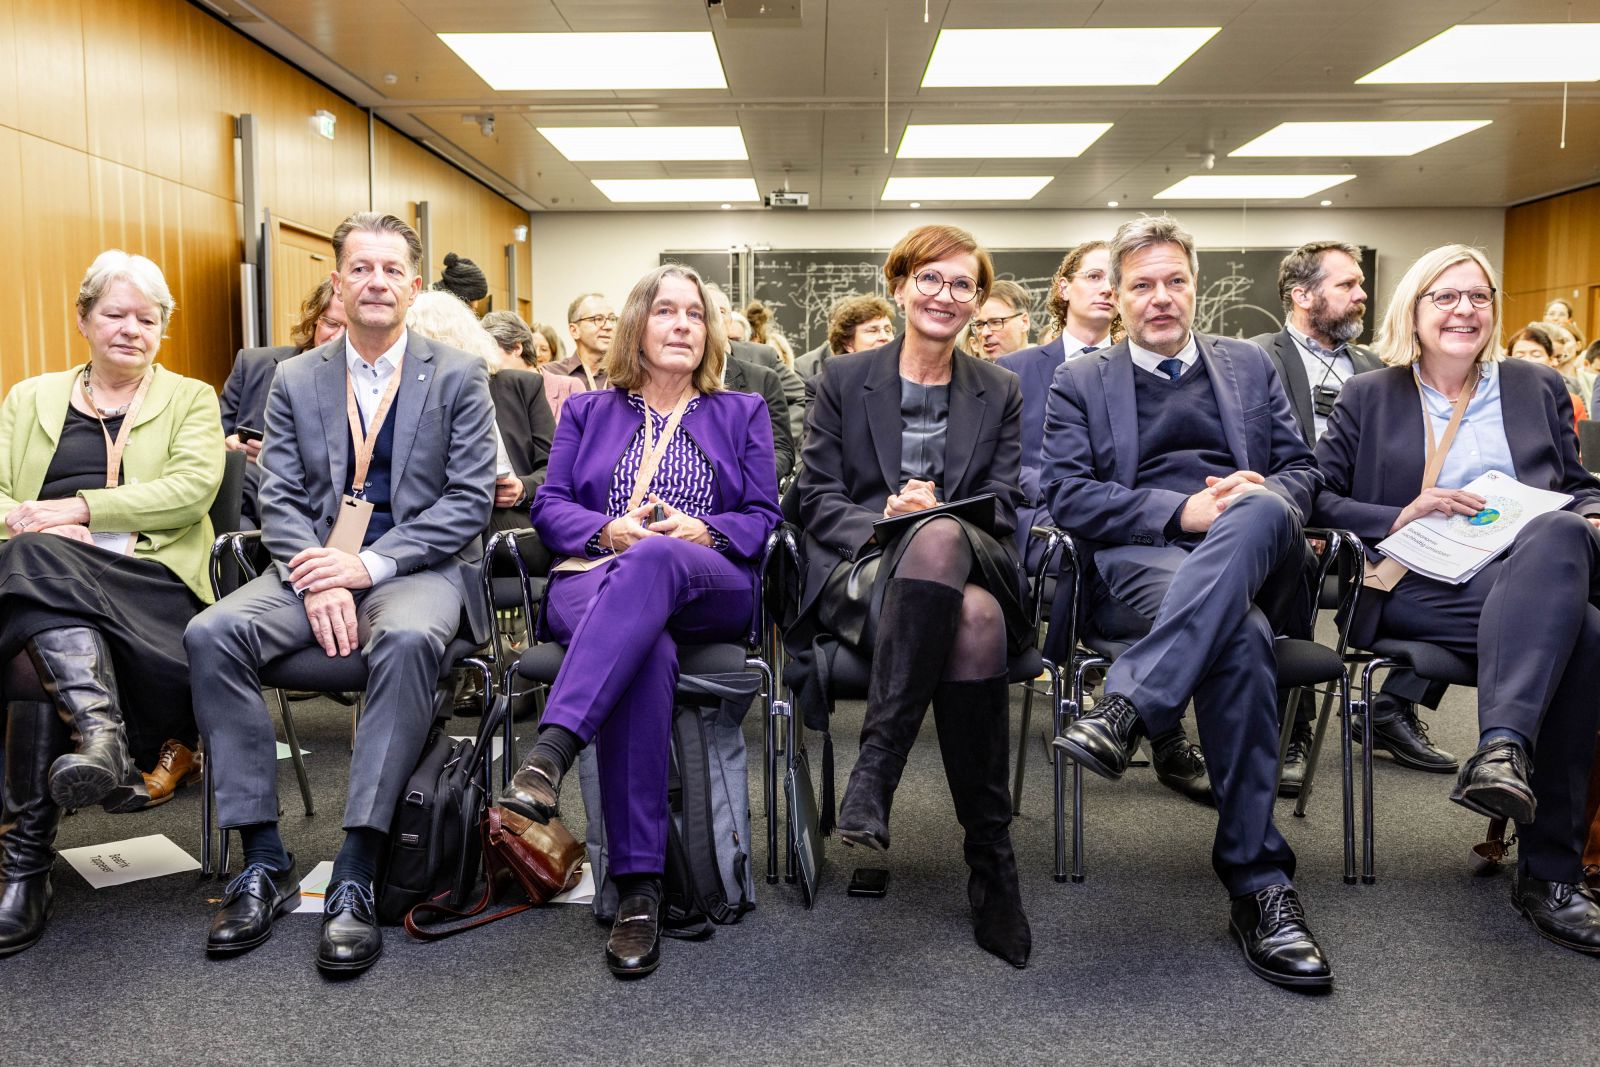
(582,893)
(283,751)
(314,886)
(496,746)
(133,860)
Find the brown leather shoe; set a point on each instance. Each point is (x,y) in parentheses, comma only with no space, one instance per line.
(176,766)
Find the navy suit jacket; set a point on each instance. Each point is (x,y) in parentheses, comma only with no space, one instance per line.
(1091,442)
(1035,368)
(1292,369)
(1373,453)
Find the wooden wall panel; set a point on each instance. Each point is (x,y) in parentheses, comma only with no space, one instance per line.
(126,140)
(1553,250)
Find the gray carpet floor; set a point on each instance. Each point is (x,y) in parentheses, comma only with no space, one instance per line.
(1133,966)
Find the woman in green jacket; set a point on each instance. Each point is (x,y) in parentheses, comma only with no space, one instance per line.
(107,472)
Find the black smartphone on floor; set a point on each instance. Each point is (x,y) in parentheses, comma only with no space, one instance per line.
(869,882)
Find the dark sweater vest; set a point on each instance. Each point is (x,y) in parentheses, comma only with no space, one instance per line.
(378,489)
(1180,431)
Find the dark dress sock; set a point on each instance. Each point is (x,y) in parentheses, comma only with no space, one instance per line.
(1505,733)
(359,856)
(557,744)
(263,844)
(643,885)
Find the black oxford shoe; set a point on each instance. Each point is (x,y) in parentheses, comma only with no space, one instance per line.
(351,939)
(1181,767)
(1270,926)
(249,905)
(1495,783)
(1563,912)
(1099,739)
(634,948)
(1395,727)
(534,790)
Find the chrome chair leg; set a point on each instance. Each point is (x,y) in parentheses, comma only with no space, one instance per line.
(293,737)
(1316,745)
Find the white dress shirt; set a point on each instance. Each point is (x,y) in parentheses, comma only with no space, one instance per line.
(1321,370)
(1075,346)
(369,381)
(1150,362)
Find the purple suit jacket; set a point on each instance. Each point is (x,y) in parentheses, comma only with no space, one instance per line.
(732,429)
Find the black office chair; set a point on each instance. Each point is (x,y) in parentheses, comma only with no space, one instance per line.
(1301,664)
(1589,444)
(310,669)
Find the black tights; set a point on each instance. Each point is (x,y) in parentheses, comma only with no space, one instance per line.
(939,552)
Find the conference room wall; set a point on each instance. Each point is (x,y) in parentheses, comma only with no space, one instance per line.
(573,253)
(1553,250)
(117,130)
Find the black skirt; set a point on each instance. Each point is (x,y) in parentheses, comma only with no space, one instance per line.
(139,607)
(852,596)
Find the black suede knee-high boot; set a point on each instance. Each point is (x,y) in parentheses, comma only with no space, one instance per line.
(35,736)
(974,722)
(74,665)
(915,629)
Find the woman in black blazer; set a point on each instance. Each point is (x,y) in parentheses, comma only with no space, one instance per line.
(894,431)
(1530,617)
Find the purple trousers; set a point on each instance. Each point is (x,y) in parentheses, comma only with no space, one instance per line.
(622,623)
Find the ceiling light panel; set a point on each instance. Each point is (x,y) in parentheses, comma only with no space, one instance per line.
(1251,186)
(1356,138)
(998,188)
(1044,56)
(590,61)
(617,144)
(1546,52)
(677,190)
(1014,140)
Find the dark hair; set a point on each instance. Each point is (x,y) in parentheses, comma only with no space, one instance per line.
(1303,268)
(1536,333)
(377,222)
(928,244)
(463,278)
(852,311)
(311,309)
(1071,264)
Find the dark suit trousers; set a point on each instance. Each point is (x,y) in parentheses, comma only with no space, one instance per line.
(1531,620)
(405,624)
(621,623)
(1212,640)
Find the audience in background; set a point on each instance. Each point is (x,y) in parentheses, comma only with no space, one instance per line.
(462,278)
(855,324)
(630,587)
(1559,313)
(937,606)
(1540,342)
(1001,326)
(740,328)
(1589,373)
(794,387)
(591,322)
(551,348)
(1528,617)
(517,342)
(107,471)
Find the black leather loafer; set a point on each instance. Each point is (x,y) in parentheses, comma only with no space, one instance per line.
(351,940)
(1395,727)
(1495,783)
(1099,739)
(534,789)
(1562,912)
(249,905)
(1270,926)
(634,948)
(1181,767)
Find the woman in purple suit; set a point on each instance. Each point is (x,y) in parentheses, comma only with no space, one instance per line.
(659,495)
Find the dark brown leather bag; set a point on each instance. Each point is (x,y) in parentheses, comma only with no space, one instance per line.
(542,860)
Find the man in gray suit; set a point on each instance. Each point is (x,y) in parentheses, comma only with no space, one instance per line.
(1321,285)
(794,386)
(374,522)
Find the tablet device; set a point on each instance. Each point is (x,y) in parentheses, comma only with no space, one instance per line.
(978,510)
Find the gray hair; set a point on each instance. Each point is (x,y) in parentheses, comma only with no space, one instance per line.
(378,222)
(115,265)
(1304,267)
(1146,231)
(508,330)
(439,315)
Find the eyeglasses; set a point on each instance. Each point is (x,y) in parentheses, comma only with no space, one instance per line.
(1449,299)
(328,324)
(962,290)
(599,320)
(985,325)
(1096,278)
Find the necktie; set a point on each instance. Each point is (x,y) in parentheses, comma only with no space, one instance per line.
(1171,367)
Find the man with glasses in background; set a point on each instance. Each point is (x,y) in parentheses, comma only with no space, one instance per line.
(1002,324)
(592,322)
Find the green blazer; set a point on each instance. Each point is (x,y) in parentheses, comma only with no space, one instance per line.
(171,469)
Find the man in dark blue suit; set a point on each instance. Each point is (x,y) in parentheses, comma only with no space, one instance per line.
(1175,459)
(1083,305)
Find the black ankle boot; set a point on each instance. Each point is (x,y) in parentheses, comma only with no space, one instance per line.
(918,621)
(74,665)
(35,736)
(974,721)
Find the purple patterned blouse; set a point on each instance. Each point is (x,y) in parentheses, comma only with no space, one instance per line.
(683,479)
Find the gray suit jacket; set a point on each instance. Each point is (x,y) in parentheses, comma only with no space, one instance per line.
(794,386)
(1292,372)
(443,468)
(745,377)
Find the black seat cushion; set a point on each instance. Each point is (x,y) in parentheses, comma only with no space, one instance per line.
(1305,663)
(313,669)
(1430,661)
(542,662)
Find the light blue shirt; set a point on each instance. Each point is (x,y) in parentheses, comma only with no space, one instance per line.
(1480,445)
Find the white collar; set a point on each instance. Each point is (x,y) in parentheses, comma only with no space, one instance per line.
(1075,344)
(393,356)
(1150,361)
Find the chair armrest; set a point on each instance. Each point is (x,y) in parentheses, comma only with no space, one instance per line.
(507,540)
(234,544)
(774,581)
(1346,550)
(1061,558)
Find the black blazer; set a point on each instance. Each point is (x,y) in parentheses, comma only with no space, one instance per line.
(526,425)
(743,376)
(851,460)
(1292,370)
(1374,450)
(244,394)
